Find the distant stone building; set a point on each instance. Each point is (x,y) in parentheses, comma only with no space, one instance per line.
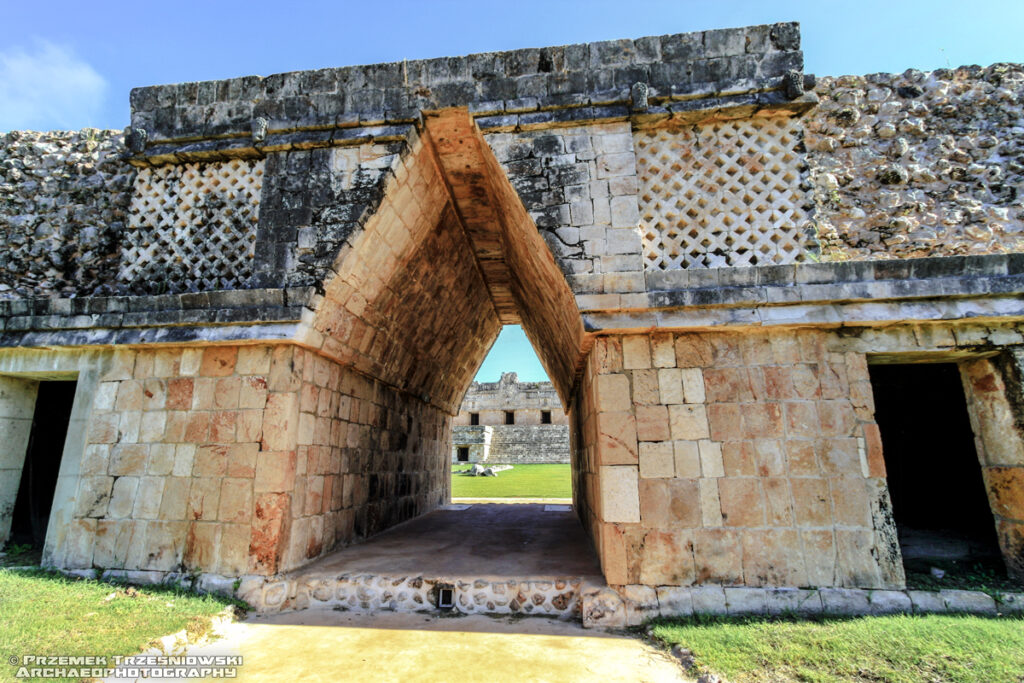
(509,421)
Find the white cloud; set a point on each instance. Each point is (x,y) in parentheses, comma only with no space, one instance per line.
(46,86)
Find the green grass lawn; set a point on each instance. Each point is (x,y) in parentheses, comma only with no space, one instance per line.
(895,649)
(45,613)
(522,481)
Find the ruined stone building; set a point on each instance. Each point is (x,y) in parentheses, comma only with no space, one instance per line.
(509,422)
(783,314)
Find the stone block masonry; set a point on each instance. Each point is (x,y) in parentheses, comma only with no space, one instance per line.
(706,248)
(245,460)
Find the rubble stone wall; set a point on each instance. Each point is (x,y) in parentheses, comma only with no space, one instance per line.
(64,199)
(918,163)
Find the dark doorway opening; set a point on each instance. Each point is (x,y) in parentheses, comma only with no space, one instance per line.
(941,509)
(510,417)
(42,463)
(545,417)
(463,454)
(474,419)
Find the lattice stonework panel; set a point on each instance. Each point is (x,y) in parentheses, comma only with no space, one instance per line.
(192,227)
(721,194)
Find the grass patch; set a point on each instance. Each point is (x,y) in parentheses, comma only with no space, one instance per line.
(895,649)
(522,481)
(46,613)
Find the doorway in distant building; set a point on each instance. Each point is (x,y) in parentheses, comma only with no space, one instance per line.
(463,454)
(32,506)
(940,505)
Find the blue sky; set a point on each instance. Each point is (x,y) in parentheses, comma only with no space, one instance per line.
(70,64)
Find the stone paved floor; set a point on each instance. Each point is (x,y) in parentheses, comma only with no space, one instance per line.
(483,541)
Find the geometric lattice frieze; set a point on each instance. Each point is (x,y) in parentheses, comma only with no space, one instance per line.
(192,227)
(721,194)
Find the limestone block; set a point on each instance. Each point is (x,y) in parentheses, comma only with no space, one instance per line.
(280,422)
(1011,603)
(636,352)
(641,603)
(718,556)
(203,498)
(890,602)
(122,498)
(855,561)
(926,602)
(93,496)
(164,545)
(674,601)
(275,471)
(148,498)
(78,541)
(129,460)
(970,602)
(811,502)
(652,423)
(1006,490)
(708,600)
(645,387)
(233,558)
(687,459)
(657,459)
(174,498)
(667,559)
(253,360)
(670,386)
(620,497)
(711,458)
(236,501)
(693,385)
(202,545)
(710,504)
(603,608)
(689,422)
(218,361)
(846,601)
(742,502)
(745,601)
(617,440)
(782,601)
(613,393)
(819,556)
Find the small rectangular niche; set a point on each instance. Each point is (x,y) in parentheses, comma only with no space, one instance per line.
(474,419)
(545,417)
(510,417)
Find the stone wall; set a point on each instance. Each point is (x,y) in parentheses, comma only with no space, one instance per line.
(918,163)
(64,200)
(515,444)
(752,458)
(246,460)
